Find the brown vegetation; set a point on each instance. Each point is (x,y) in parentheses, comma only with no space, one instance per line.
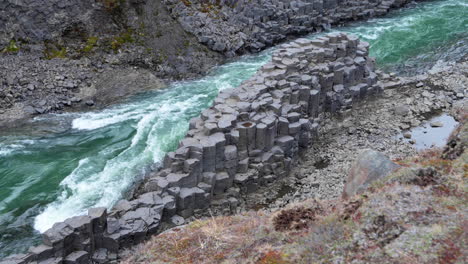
(416,215)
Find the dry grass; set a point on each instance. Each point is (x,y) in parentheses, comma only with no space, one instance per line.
(212,241)
(344,231)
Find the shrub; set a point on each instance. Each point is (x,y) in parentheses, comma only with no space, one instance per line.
(295,219)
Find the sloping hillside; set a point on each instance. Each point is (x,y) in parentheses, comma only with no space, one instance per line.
(417,214)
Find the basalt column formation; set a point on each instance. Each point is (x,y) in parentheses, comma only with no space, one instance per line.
(251,136)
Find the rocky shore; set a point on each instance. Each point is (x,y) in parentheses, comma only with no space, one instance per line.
(82,55)
(250,137)
(234,27)
(373,124)
(411,210)
(181,192)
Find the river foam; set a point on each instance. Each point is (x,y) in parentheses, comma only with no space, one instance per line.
(159,121)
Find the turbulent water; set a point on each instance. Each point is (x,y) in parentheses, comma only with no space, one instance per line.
(58,166)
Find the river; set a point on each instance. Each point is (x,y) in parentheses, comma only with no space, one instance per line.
(59,165)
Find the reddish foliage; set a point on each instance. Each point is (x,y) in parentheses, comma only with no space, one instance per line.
(444,190)
(350,208)
(383,230)
(450,253)
(272,257)
(295,219)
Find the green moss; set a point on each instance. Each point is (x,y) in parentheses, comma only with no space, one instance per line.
(162,57)
(12,47)
(90,44)
(186,43)
(54,51)
(118,41)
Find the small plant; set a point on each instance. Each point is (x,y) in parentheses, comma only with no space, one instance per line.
(295,219)
(125,37)
(12,47)
(54,51)
(90,44)
(450,252)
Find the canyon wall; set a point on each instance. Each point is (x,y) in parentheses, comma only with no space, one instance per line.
(251,136)
(236,26)
(39,20)
(228,26)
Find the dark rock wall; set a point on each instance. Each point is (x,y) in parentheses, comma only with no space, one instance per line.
(39,20)
(251,136)
(56,69)
(236,26)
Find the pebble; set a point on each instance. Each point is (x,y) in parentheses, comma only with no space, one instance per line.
(177,220)
(437,124)
(407,135)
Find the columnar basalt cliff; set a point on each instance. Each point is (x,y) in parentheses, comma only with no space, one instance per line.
(142,40)
(250,136)
(236,26)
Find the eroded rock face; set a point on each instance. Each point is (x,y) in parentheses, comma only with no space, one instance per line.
(71,55)
(369,166)
(235,26)
(39,20)
(250,137)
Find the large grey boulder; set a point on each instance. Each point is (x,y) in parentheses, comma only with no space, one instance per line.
(369,166)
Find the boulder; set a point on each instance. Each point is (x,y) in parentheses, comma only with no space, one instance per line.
(369,166)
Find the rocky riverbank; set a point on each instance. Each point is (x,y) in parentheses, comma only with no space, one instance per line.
(234,27)
(249,138)
(82,55)
(232,201)
(322,171)
(413,210)
(321,174)
(374,124)
(79,55)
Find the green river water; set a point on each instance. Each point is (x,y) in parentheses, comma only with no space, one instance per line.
(59,165)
